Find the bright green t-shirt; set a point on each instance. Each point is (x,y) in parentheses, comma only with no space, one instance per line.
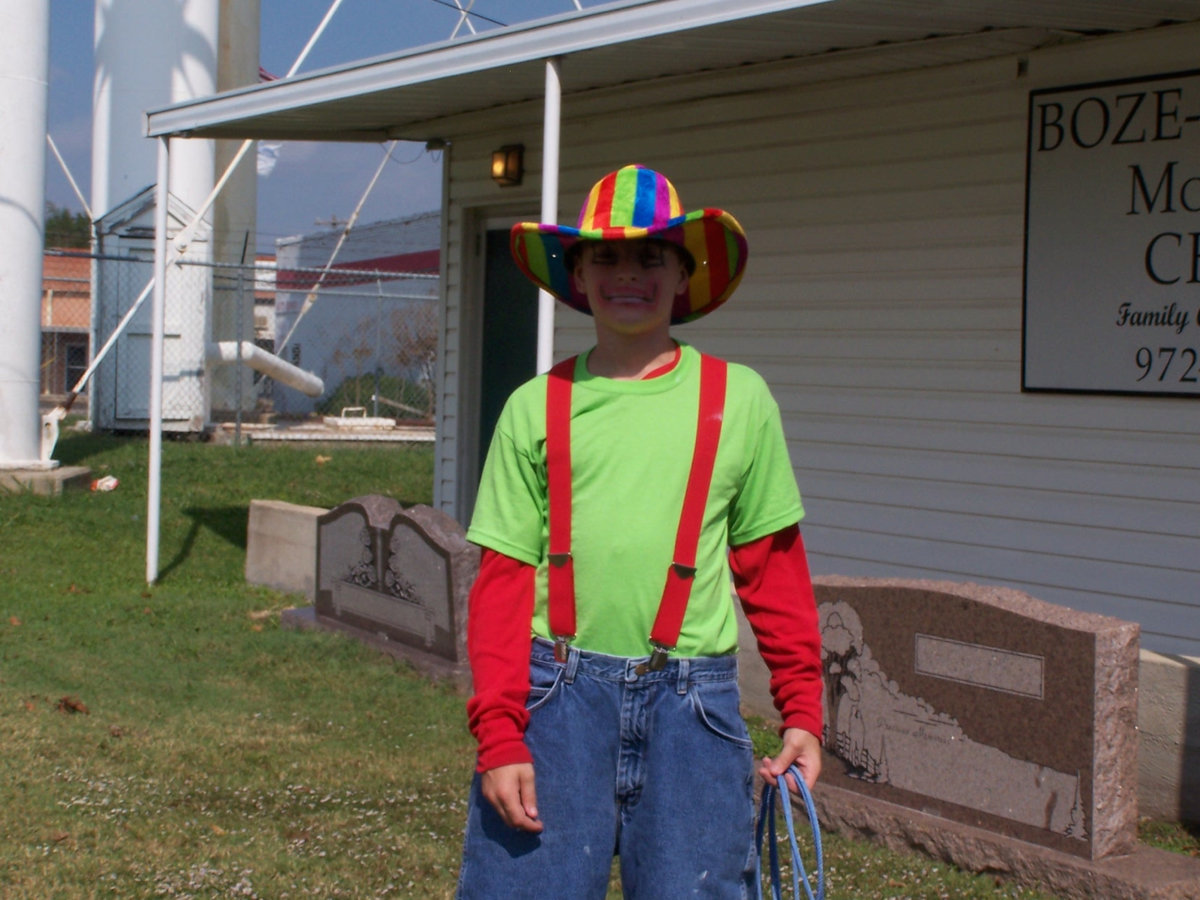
(631,451)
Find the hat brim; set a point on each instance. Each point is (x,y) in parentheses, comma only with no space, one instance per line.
(713,238)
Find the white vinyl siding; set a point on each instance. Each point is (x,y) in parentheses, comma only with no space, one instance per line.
(883,305)
(472,198)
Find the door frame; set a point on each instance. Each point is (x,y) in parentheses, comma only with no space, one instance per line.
(476,224)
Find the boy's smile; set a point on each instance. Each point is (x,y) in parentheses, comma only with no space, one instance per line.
(631,285)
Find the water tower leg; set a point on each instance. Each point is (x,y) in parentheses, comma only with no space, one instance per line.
(24,58)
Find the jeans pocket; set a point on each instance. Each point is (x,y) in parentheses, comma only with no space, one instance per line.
(544,678)
(718,706)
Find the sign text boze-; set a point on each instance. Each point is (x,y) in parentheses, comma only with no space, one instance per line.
(1112,274)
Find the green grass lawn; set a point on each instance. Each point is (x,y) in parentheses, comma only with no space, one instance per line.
(173,741)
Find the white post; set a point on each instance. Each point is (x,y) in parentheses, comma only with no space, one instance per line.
(24,60)
(551,128)
(157,328)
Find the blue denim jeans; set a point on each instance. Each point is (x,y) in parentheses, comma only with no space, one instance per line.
(656,768)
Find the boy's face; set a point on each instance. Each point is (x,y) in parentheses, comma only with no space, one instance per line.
(631,286)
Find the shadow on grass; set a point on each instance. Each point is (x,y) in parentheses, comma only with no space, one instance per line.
(1178,837)
(227,522)
(75,448)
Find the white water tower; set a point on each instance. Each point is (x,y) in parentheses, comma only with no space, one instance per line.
(24,61)
(149,54)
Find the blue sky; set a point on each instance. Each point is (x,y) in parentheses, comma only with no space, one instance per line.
(311,182)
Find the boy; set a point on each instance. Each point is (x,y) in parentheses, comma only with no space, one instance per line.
(638,463)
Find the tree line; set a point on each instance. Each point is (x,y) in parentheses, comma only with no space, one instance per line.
(67,229)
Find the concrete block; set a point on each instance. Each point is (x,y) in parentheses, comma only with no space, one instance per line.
(281,546)
(1169,728)
(45,482)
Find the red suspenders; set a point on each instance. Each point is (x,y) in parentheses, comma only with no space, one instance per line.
(561,574)
(680,573)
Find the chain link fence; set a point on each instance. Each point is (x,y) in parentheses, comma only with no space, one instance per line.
(241,345)
(369,335)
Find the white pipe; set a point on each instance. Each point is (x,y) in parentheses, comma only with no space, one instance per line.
(551,129)
(465,18)
(112,338)
(312,40)
(157,328)
(70,178)
(24,58)
(224,352)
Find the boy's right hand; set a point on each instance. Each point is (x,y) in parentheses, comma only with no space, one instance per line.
(511,791)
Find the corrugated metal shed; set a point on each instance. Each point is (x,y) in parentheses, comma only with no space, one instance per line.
(397,96)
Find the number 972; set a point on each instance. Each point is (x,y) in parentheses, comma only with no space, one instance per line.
(1176,362)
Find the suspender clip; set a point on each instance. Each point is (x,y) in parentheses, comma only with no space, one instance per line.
(562,644)
(684,571)
(558,560)
(657,661)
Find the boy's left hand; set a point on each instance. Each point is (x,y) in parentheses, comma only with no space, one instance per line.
(799,747)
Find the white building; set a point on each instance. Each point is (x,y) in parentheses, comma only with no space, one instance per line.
(888,161)
(345,304)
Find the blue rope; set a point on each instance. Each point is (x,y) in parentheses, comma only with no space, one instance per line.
(766,821)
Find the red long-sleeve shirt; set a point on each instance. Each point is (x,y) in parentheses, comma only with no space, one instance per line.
(771,578)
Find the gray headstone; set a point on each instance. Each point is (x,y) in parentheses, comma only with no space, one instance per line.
(399,576)
(349,555)
(430,569)
(984,706)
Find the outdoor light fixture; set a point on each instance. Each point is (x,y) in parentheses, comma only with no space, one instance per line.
(508,165)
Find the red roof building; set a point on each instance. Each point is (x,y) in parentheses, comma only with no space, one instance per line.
(66,320)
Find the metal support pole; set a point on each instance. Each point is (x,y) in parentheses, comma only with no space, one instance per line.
(239,300)
(158,321)
(551,129)
(378,344)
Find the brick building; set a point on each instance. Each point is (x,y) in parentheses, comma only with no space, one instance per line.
(66,319)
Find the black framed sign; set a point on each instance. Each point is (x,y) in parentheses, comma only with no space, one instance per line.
(1112,238)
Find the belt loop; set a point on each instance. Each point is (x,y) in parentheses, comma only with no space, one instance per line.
(572,664)
(681,683)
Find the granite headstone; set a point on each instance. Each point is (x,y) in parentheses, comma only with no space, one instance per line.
(985,706)
(400,576)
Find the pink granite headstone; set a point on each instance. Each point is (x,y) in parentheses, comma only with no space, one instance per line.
(984,706)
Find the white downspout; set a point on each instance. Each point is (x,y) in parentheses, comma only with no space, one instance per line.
(551,130)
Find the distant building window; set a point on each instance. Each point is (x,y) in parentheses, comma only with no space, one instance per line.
(77,362)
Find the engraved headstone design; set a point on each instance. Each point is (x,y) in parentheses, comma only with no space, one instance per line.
(349,551)
(884,736)
(363,572)
(402,575)
(418,576)
(985,706)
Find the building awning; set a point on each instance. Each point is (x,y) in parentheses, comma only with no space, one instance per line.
(409,95)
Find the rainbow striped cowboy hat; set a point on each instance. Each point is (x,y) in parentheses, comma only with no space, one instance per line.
(636,202)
